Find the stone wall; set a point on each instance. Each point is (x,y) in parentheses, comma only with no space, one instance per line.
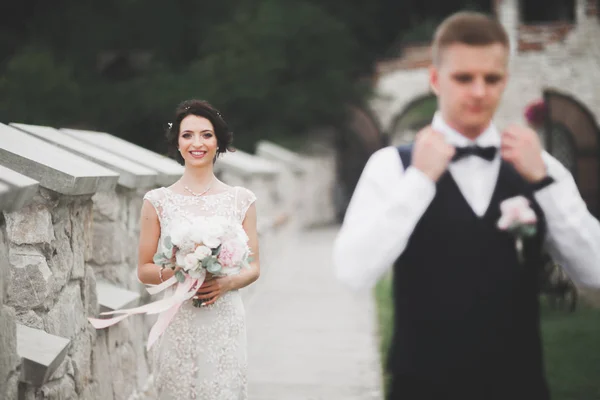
(48,283)
(57,248)
(9,360)
(115,236)
(567,60)
(318,190)
(557,55)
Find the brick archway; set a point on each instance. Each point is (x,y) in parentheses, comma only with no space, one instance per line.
(406,122)
(361,138)
(573,137)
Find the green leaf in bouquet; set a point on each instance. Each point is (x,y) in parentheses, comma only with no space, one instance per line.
(216,251)
(214,267)
(167,243)
(207,260)
(170,264)
(180,276)
(160,259)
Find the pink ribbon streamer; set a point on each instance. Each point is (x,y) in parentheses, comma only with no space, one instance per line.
(167,307)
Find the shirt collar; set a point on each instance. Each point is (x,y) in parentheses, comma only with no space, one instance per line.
(489,137)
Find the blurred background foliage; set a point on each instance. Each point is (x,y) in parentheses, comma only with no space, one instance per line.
(275,69)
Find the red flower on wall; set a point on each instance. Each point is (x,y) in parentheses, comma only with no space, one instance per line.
(535,113)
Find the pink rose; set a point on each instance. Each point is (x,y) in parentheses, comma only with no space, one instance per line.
(516,212)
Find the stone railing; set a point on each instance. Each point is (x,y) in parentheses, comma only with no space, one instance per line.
(69,227)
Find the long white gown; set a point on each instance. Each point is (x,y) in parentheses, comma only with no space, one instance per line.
(202,354)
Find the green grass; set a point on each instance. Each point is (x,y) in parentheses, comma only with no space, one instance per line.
(571,346)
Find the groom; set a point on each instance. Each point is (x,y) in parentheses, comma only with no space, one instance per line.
(466,303)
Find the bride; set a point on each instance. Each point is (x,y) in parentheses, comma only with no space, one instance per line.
(202,354)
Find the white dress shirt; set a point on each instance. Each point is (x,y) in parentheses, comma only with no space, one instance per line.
(389,201)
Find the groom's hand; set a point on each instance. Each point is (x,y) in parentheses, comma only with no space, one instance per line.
(522,148)
(431,154)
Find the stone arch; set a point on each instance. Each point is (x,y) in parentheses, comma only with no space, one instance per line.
(407,121)
(394,90)
(572,136)
(361,137)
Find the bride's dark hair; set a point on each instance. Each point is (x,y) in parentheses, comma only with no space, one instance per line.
(203,109)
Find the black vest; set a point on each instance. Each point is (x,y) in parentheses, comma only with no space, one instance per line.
(465,308)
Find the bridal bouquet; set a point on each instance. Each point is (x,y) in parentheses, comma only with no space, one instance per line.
(199,246)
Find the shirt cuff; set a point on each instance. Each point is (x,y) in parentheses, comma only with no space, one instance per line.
(556,198)
(415,195)
(420,184)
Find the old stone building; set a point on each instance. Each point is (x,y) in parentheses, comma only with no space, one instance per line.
(555,56)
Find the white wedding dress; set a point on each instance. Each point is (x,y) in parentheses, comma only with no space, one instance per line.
(202,354)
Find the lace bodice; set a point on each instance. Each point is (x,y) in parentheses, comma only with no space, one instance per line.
(171,206)
(202,354)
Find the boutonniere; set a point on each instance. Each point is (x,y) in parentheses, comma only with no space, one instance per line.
(518,218)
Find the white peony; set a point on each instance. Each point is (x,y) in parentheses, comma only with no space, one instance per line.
(196,232)
(180,233)
(191,262)
(213,234)
(202,252)
(180,258)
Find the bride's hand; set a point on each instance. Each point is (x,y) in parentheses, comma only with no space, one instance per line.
(213,288)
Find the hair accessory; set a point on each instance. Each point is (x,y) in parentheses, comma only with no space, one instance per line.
(170,124)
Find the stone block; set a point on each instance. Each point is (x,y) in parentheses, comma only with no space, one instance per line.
(5,192)
(134,206)
(31,319)
(59,390)
(123,360)
(41,354)
(246,164)
(103,371)
(90,392)
(30,225)
(53,167)
(131,174)
(81,359)
(140,334)
(274,152)
(67,317)
(109,243)
(10,391)
(28,393)
(30,277)
(20,189)
(90,294)
(8,347)
(168,170)
(82,235)
(4,267)
(107,206)
(121,275)
(63,369)
(112,297)
(61,259)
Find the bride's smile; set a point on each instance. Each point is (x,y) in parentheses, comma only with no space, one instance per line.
(197,141)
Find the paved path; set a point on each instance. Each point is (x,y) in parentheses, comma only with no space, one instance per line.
(310,338)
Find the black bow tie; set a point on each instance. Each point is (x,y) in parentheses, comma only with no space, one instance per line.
(487,153)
